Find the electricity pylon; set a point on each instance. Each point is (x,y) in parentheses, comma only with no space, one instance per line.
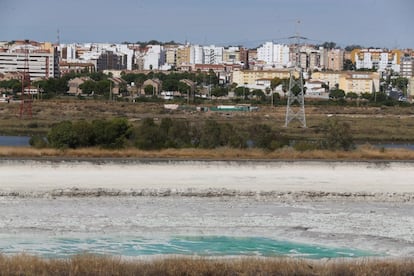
(296,92)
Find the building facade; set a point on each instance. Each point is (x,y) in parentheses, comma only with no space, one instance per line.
(376,59)
(332,59)
(41,60)
(250,77)
(407,67)
(276,55)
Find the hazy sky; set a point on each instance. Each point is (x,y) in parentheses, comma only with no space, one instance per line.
(380,23)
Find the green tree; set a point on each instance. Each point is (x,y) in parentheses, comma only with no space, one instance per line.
(150,136)
(231,137)
(219,91)
(84,133)
(210,135)
(149,89)
(111,134)
(351,95)
(261,135)
(98,76)
(329,45)
(259,94)
(62,135)
(337,94)
(241,92)
(102,87)
(349,65)
(183,88)
(337,135)
(178,133)
(88,87)
(349,48)
(275,82)
(401,83)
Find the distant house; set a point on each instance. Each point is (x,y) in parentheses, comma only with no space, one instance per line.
(316,89)
(156,83)
(74,85)
(190,84)
(117,84)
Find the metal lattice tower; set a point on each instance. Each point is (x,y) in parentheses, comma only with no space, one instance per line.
(294,111)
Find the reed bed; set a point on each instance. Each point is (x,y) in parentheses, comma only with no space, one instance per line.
(104,265)
(362,153)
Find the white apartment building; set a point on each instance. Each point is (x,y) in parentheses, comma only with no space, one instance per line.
(379,59)
(196,54)
(42,60)
(89,52)
(154,57)
(274,54)
(407,67)
(231,55)
(213,54)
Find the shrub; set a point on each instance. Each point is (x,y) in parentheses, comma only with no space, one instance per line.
(108,134)
(261,135)
(38,142)
(210,135)
(62,136)
(111,134)
(337,135)
(305,145)
(149,136)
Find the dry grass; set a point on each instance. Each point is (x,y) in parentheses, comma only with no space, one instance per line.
(94,265)
(379,124)
(362,153)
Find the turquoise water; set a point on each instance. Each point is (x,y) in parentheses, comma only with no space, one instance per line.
(218,246)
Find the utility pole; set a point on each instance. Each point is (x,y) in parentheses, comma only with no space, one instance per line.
(293,112)
(110,90)
(26,104)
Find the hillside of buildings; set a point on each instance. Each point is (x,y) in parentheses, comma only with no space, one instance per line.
(367,91)
(355,70)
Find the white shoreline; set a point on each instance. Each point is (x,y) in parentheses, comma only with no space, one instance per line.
(330,177)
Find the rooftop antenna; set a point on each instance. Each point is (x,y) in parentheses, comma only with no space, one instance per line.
(296,92)
(58,37)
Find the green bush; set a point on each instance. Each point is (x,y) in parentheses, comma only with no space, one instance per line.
(337,135)
(111,134)
(62,136)
(262,136)
(38,142)
(108,134)
(149,136)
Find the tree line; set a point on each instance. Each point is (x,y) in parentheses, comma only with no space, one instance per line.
(178,133)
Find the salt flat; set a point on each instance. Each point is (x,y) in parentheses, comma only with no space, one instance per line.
(352,177)
(362,205)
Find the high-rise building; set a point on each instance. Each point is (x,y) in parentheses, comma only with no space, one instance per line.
(183,55)
(196,54)
(407,67)
(378,59)
(42,59)
(332,59)
(109,60)
(276,55)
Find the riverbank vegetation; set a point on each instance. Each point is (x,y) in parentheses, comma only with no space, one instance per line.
(132,129)
(100,265)
(365,152)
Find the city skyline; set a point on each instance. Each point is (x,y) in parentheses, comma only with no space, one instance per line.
(369,23)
